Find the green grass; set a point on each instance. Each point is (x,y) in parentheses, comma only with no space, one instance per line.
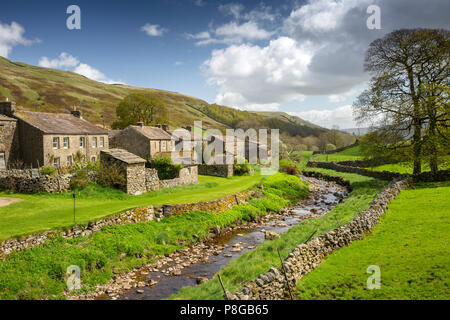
(41,212)
(346,155)
(251,264)
(408,167)
(38,273)
(410,245)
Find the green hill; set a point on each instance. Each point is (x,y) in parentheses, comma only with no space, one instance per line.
(50,90)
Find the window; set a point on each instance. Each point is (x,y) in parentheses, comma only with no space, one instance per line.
(93,159)
(56,162)
(94,142)
(2,161)
(81,142)
(163,147)
(69,161)
(66,142)
(55,143)
(102,142)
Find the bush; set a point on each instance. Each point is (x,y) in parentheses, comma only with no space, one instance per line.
(241,169)
(166,169)
(111,175)
(288,166)
(48,171)
(80,181)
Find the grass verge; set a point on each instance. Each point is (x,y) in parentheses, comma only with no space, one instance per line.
(40,212)
(38,273)
(410,245)
(251,264)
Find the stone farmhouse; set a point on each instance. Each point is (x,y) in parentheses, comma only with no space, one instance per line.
(9,139)
(144,141)
(48,139)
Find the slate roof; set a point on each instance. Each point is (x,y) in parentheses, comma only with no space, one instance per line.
(59,123)
(124,156)
(152,133)
(5,118)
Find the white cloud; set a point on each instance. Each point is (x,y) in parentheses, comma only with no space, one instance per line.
(341,116)
(320,50)
(232,9)
(199,3)
(153,30)
(253,75)
(179,63)
(11,36)
(64,60)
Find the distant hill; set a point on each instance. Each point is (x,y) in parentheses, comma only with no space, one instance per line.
(51,90)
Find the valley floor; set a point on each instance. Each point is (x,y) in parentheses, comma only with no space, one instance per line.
(410,245)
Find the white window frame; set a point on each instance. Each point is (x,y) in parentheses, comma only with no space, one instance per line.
(56,162)
(102,142)
(66,139)
(82,142)
(69,161)
(94,142)
(55,141)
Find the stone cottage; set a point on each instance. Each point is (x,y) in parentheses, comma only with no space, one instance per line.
(54,138)
(145,141)
(8,141)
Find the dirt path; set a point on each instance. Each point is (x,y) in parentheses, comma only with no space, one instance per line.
(4,202)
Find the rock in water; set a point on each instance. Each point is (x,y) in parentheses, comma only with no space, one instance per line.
(270,235)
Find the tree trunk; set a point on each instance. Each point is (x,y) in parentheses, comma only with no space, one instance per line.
(433,149)
(417,146)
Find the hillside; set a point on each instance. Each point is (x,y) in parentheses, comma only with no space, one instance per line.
(50,90)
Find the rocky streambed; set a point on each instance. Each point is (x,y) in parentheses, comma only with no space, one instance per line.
(200,262)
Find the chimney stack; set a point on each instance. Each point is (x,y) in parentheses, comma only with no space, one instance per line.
(189,128)
(140,124)
(7,108)
(76,113)
(165,127)
(158,125)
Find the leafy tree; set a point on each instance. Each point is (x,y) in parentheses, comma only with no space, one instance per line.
(407,68)
(146,107)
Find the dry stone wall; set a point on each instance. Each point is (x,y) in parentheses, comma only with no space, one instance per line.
(32,181)
(307,256)
(136,215)
(217,170)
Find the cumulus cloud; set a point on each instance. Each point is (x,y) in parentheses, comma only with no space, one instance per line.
(66,61)
(327,118)
(153,30)
(319,50)
(11,35)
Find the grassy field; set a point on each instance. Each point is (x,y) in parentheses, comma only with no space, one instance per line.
(411,246)
(407,167)
(348,154)
(38,273)
(246,268)
(41,212)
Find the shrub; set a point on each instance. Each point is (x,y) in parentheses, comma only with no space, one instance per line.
(111,175)
(288,166)
(48,171)
(241,169)
(80,181)
(166,169)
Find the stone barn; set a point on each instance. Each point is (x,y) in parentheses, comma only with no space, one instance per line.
(132,167)
(8,141)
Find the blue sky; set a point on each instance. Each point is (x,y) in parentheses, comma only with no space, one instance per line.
(302,57)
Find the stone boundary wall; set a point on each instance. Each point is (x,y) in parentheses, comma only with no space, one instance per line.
(216,170)
(442,175)
(187,175)
(338,149)
(307,256)
(32,181)
(364,163)
(384,175)
(215,206)
(136,215)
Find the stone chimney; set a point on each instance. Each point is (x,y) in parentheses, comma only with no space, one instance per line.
(165,127)
(158,125)
(7,108)
(189,128)
(76,113)
(140,124)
